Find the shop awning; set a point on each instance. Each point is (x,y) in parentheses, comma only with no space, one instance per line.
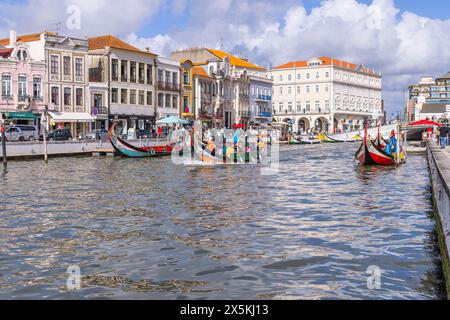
(21,115)
(59,117)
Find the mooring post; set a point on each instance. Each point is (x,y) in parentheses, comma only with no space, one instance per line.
(5,162)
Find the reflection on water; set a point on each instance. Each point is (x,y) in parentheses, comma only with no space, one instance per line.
(146,229)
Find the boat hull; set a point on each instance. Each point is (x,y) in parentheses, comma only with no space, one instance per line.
(293,140)
(370,154)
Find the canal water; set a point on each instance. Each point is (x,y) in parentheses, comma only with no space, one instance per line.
(147,229)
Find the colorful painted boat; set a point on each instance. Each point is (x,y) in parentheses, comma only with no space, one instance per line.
(127,149)
(326,139)
(294,140)
(371,153)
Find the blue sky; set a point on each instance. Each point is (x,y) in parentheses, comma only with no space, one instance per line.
(403,39)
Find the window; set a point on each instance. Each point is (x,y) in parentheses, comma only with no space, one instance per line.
(317,75)
(299,106)
(132,96)
(281,90)
(327,74)
(142,73)
(317,106)
(160,100)
(37,87)
(124,70)
(317,89)
(123,96)
(22,82)
(185,78)
(141,97)
(115,69)
(289,90)
(149,74)
(79,97)
(326,88)
(66,66)
(289,106)
(98,101)
(299,76)
(54,65)
(149,98)
(133,71)
(280,78)
(174,102)
(307,76)
(67,96)
(175,80)
(6,85)
(307,89)
(308,106)
(55,96)
(298,89)
(114,95)
(280,108)
(79,67)
(168,101)
(289,77)
(186,104)
(22,55)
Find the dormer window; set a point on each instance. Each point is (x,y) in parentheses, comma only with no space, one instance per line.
(22,55)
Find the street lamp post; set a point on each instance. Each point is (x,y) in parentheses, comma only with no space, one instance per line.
(5,163)
(44,135)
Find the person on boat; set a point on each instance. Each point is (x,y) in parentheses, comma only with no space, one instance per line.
(391,147)
(211,146)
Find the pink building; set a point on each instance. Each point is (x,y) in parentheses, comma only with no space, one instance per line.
(22,97)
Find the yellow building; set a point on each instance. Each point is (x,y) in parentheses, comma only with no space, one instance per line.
(187,90)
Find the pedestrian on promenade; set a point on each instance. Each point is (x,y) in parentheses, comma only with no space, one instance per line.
(438,136)
(444,135)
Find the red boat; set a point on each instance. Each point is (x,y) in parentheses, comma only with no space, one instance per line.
(372,153)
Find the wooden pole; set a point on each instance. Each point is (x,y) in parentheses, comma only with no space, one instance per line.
(5,162)
(398,143)
(44,135)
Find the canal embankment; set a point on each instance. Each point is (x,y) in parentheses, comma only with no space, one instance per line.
(439,164)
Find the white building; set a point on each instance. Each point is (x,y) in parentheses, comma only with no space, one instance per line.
(130,74)
(168,77)
(326,94)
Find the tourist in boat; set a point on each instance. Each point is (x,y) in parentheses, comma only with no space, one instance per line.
(391,147)
(211,147)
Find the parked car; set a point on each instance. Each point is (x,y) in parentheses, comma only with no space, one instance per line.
(58,135)
(97,134)
(143,134)
(21,133)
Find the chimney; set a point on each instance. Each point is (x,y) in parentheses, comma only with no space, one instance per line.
(12,37)
(147,49)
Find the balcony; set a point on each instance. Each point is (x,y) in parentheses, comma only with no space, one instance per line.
(244,113)
(100,110)
(23,98)
(265,115)
(263,98)
(7,97)
(38,99)
(168,86)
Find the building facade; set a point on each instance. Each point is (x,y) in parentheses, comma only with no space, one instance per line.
(22,84)
(232,77)
(168,87)
(131,74)
(260,100)
(205,92)
(325,94)
(429,99)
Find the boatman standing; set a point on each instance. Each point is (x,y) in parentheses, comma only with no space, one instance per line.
(391,147)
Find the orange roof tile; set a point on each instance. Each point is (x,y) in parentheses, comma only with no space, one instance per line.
(26,38)
(235,61)
(199,71)
(326,62)
(112,42)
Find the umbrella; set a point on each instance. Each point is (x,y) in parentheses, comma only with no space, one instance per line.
(172,120)
(424,123)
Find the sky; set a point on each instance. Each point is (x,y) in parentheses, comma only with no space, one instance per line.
(403,39)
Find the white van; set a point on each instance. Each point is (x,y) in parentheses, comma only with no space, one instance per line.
(21,133)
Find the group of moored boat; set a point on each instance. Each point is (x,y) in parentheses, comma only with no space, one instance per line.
(376,151)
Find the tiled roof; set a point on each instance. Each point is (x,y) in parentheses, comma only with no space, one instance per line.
(444,77)
(235,61)
(5,53)
(26,38)
(326,61)
(113,42)
(200,72)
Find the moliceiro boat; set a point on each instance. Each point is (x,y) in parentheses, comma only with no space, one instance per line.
(127,149)
(335,139)
(375,152)
(300,140)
